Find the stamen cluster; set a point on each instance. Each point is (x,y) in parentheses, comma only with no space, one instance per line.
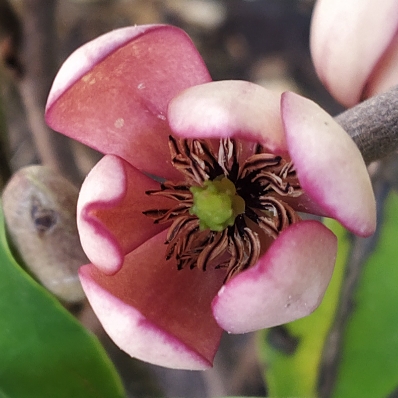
(264,181)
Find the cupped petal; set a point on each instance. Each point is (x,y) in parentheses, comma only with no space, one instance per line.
(385,74)
(229,109)
(287,283)
(109,212)
(155,312)
(347,40)
(112,93)
(329,165)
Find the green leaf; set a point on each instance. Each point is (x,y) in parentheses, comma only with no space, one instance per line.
(45,352)
(296,373)
(369,365)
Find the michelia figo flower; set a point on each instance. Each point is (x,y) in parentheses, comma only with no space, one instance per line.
(354,46)
(217,243)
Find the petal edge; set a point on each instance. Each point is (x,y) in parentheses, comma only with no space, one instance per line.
(229,108)
(110,209)
(135,334)
(287,283)
(117,100)
(329,166)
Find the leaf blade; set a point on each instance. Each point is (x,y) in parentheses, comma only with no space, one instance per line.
(369,366)
(44,350)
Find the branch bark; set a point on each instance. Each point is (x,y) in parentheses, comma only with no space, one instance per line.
(373,125)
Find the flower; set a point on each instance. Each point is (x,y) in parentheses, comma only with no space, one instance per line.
(242,162)
(354,46)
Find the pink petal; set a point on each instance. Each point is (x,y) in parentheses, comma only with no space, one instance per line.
(229,109)
(287,283)
(347,40)
(385,74)
(112,93)
(155,312)
(329,165)
(303,204)
(110,206)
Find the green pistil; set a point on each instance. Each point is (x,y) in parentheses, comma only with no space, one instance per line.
(216,204)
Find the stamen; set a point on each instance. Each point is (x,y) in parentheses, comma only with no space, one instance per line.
(218,198)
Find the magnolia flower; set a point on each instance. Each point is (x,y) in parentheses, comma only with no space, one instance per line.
(218,243)
(354,46)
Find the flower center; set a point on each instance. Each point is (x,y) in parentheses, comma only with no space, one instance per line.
(216,204)
(228,208)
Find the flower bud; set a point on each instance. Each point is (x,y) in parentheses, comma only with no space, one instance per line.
(40,213)
(354,47)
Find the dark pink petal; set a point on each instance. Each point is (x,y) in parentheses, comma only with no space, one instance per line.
(348,38)
(155,312)
(109,212)
(287,283)
(303,204)
(229,109)
(112,93)
(329,165)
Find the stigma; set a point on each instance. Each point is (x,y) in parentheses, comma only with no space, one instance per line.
(216,204)
(229,206)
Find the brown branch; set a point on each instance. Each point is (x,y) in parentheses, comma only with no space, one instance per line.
(39,62)
(373,125)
